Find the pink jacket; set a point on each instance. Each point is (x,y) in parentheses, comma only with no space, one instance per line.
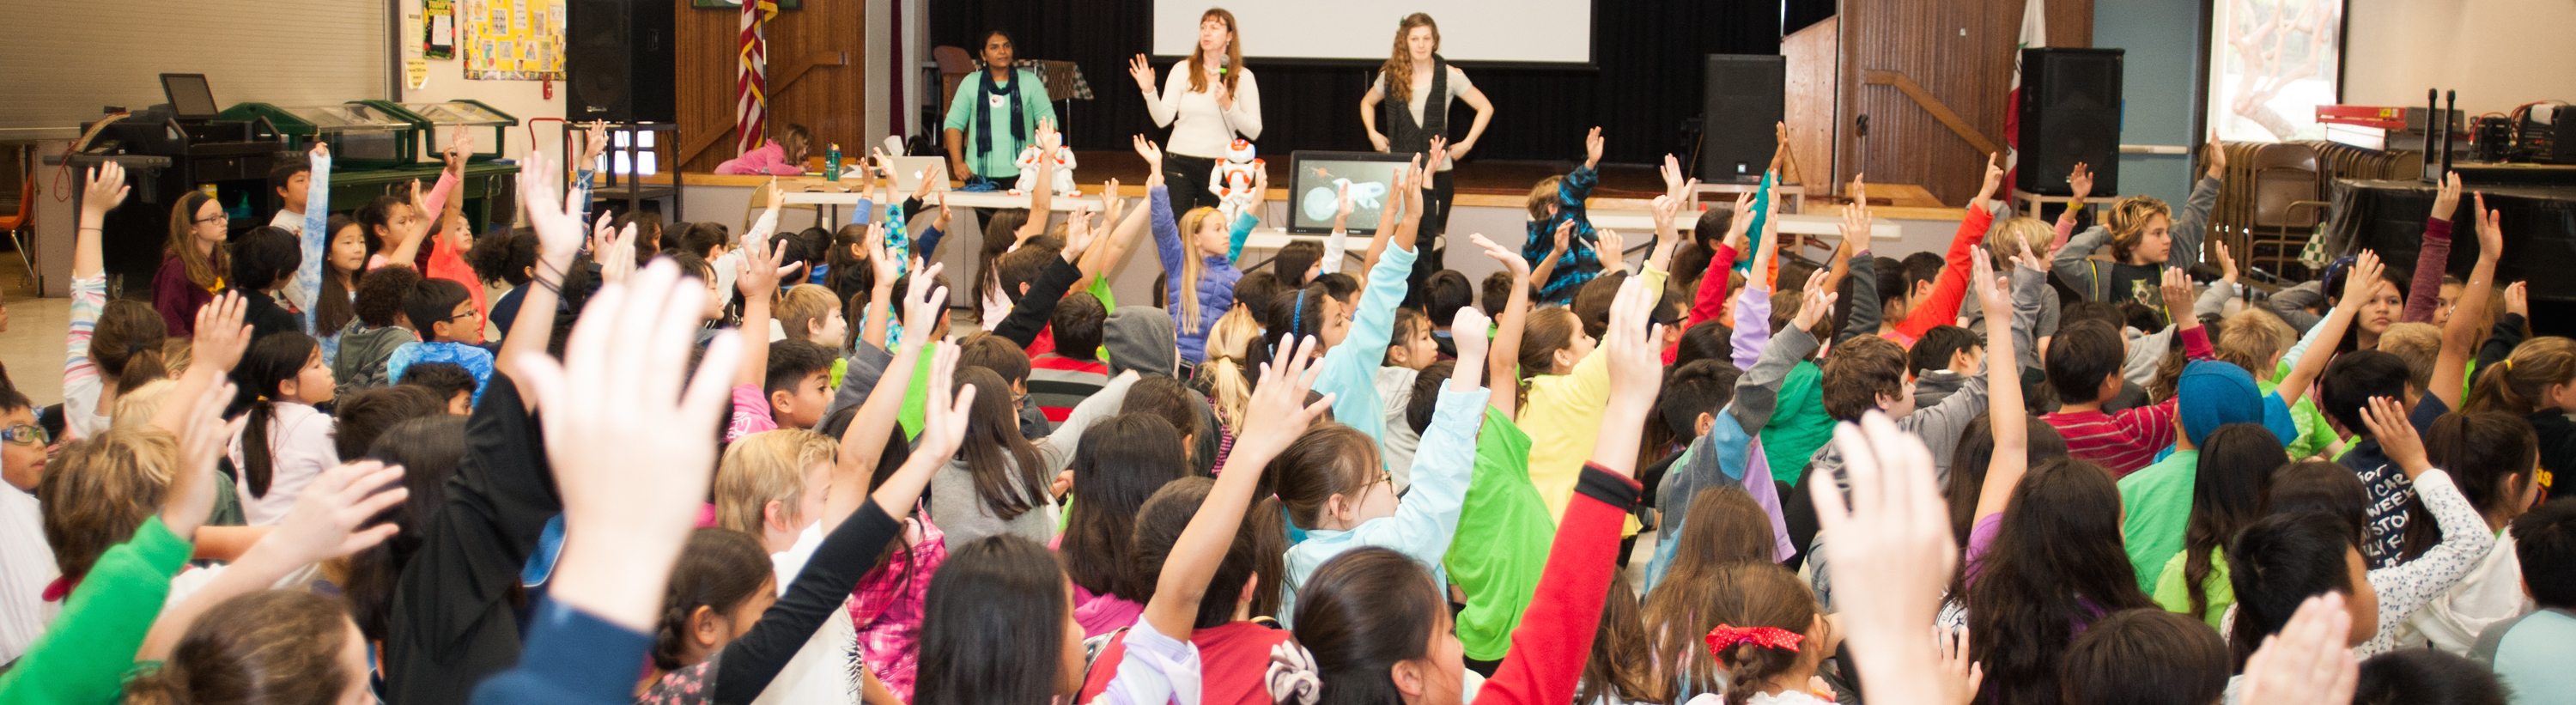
(768,159)
(887,606)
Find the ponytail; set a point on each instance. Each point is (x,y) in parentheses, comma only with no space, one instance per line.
(271,361)
(144,365)
(2520,385)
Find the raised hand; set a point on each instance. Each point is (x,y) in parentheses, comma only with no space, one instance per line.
(1048,139)
(758,271)
(221,336)
(1994,179)
(2490,231)
(1077,234)
(2082,180)
(617,261)
(1633,344)
(1564,240)
(2217,160)
(923,304)
(1960,673)
(1742,223)
(1815,302)
(942,221)
(2517,300)
(2366,270)
(1510,260)
(2386,419)
(1280,393)
(460,144)
(1672,173)
(1663,208)
(1995,293)
(2308,662)
(558,223)
(2226,263)
(1592,148)
(2176,287)
(2446,197)
(203,435)
(1341,211)
(1469,326)
(1892,552)
(1856,215)
(631,488)
(326,519)
(106,189)
(884,260)
(594,144)
(1610,250)
(1143,72)
(1439,155)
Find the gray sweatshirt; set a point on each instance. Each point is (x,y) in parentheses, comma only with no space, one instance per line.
(962,515)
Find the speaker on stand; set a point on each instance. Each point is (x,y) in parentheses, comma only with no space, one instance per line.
(619,67)
(1745,99)
(2070,113)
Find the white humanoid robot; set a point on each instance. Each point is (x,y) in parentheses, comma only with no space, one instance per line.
(1234,179)
(1064,163)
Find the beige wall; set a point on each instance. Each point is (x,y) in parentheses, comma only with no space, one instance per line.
(521,99)
(2496,53)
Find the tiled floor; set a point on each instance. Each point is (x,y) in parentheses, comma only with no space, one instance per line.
(31,340)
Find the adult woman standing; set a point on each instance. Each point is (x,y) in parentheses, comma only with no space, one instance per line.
(1206,101)
(1416,78)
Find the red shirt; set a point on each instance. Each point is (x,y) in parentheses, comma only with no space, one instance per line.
(2130,439)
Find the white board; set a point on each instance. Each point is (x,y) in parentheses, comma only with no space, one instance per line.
(1528,31)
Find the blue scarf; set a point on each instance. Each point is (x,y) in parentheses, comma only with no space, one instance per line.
(983,113)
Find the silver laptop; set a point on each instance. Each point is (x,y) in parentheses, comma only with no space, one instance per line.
(909,170)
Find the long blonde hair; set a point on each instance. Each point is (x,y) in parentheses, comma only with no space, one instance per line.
(2520,385)
(1398,71)
(1193,265)
(1233,53)
(1227,371)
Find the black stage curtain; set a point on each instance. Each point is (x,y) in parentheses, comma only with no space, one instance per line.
(1644,91)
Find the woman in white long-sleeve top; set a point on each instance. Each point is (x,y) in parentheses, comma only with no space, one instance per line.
(1206,101)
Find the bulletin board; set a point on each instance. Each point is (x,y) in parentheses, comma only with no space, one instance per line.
(512,40)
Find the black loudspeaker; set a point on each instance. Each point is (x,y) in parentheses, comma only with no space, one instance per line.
(1744,100)
(618,61)
(2070,112)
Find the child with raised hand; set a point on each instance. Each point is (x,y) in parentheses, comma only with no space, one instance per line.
(763,401)
(2493,458)
(2402,589)
(1336,487)
(1500,575)
(1200,264)
(85,390)
(1355,343)
(2145,237)
(2083,365)
(886,608)
(1940,305)
(1363,615)
(1557,203)
(1564,381)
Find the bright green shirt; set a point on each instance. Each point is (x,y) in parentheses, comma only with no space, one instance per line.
(2155,506)
(1800,427)
(83,657)
(1511,534)
(2172,594)
(2314,435)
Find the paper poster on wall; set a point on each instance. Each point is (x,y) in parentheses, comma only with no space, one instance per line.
(439,39)
(512,40)
(2271,63)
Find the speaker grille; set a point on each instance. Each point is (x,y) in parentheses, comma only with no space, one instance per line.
(2070,113)
(617,61)
(1744,99)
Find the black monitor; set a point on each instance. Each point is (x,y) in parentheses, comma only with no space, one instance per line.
(190,97)
(1311,192)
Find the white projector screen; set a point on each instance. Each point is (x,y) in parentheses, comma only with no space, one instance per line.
(1517,31)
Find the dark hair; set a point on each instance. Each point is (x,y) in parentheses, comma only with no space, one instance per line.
(1425,398)
(128,333)
(381,294)
(1259,548)
(1497,292)
(1293,315)
(1759,594)
(1293,259)
(1009,475)
(2544,543)
(264,257)
(1328,459)
(718,570)
(2235,462)
(1360,614)
(2397,277)
(1121,462)
(648,232)
(1706,341)
(1694,388)
(2319,486)
(272,360)
(1445,293)
(705,235)
(1023,266)
(332,310)
(2145,657)
(505,257)
(279,176)
(2082,354)
(1975,455)
(1858,372)
(2423,676)
(986,350)
(791,361)
(1341,285)
(1407,324)
(358,419)
(2351,381)
(444,379)
(992,630)
(268,646)
(1921,267)
(1891,280)
(1592,302)
(1934,350)
(2485,452)
(428,449)
(431,302)
(378,215)
(1078,321)
(850,275)
(1164,397)
(1616,669)
(1254,290)
(2055,565)
(2278,562)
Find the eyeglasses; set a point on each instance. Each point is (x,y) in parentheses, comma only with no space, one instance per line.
(220,217)
(25,434)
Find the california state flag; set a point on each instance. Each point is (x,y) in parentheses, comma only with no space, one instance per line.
(2034,35)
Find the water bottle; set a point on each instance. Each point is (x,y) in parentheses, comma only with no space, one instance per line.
(832,160)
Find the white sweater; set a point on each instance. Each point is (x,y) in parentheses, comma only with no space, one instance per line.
(1199,128)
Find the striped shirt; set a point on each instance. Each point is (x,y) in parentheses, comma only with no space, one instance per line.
(1058,383)
(2127,441)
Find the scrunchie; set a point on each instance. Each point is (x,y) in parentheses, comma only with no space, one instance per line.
(1292,673)
(1727,637)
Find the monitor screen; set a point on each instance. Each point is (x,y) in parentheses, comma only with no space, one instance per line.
(190,97)
(1312,193)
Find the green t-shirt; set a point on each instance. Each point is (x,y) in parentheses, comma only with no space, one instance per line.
(1003,162)
(1511,536)
(2155,506)
(1800,426)
(2314,435)
(2172,595)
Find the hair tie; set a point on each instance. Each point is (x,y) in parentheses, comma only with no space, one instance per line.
(136,347)
(1727,637)
(2508,364)
(1297,320)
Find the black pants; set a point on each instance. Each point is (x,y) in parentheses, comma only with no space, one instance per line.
(1429,252)
(1187,179)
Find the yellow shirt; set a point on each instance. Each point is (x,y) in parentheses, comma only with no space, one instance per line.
(1562,416)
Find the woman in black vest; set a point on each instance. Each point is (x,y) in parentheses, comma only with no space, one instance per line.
(1421,85)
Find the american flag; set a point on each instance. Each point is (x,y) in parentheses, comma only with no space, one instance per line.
(751,76)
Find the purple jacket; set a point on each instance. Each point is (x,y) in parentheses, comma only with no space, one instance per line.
(1217,275)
